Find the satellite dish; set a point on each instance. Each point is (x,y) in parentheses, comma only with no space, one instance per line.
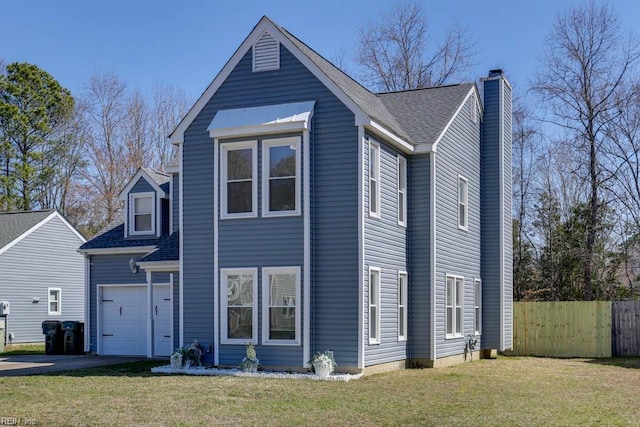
(133,266)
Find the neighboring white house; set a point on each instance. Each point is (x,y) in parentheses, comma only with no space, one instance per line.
(41,272)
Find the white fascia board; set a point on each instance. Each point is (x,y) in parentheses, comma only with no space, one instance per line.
(453,117)
(160,266)
(177,136)
(28,232)
(68,224)
(118,251)
(141,173)
(404,146)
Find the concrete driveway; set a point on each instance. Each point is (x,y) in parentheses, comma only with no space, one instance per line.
(11,366)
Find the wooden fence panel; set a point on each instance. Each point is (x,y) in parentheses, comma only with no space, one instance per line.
(626,328)
(562,329)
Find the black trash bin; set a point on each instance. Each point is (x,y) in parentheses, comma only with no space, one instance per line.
(73,342)
(52,337)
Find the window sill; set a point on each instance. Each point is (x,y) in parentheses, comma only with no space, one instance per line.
(238,341)
(282,343)
(279,214)
(453,337)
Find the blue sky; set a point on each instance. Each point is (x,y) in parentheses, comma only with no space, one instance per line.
(185,43)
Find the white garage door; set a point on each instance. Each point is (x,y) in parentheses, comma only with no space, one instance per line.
(124,320)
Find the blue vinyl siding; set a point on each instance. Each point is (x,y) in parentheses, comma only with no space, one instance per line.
(46,258)
(419,207)
(385,246)
(496,154)
(175,202)
(457,251)
(261,242)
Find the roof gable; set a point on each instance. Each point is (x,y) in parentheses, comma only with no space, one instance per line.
(426,114)
(15,226)
(364,104)
(159,181)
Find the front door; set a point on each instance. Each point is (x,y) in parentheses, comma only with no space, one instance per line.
(162,333)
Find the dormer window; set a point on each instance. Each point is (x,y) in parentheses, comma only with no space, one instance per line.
(142,214)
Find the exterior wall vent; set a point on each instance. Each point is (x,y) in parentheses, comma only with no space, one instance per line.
(266,53)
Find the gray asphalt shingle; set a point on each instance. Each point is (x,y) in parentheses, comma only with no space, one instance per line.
(13,224)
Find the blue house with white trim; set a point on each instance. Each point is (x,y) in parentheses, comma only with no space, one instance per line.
(304,212)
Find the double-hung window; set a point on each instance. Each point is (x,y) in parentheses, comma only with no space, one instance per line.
(281,176)
(374,180)
(54,304)
(463,203)
(477,305)
(141,214)
(455,295)
(281,306)
(239,293)
(402,191)
(402,305)
(239,196)
(374,305)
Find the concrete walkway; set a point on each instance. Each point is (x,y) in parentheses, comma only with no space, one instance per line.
(11,366)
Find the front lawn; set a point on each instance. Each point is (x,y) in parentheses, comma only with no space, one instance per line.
(21,349)
(506,391)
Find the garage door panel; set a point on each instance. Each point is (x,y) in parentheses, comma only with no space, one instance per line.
(124,314)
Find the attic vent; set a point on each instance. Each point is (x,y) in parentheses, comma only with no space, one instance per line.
(266,53)
(473,109)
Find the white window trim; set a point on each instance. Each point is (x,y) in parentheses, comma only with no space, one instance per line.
(402,219)
(454,334)
(477,306)
(49,301)
(276,142)
(224,149)
(465,203)
(403,303)
(374,149)
(132,213)
(224,320)
(376,270)
(266,272)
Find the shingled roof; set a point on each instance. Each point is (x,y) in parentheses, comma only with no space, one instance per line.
(14,224)
(393,115)
(366,100)
(113,237)
(424,113)
(168,250)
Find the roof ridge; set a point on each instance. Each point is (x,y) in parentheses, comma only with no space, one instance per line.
(425,88)
(28,212)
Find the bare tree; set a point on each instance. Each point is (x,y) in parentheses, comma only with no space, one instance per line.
(169,106)
(107,171)
(585,64)
(398,52)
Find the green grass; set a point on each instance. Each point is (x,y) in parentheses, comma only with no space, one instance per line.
(506,391)
(22,349)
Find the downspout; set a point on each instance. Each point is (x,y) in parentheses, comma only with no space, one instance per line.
(216,284)
(87,300)
(432,244)
(180,248)
(149,315)
(361,179)
(306,206)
